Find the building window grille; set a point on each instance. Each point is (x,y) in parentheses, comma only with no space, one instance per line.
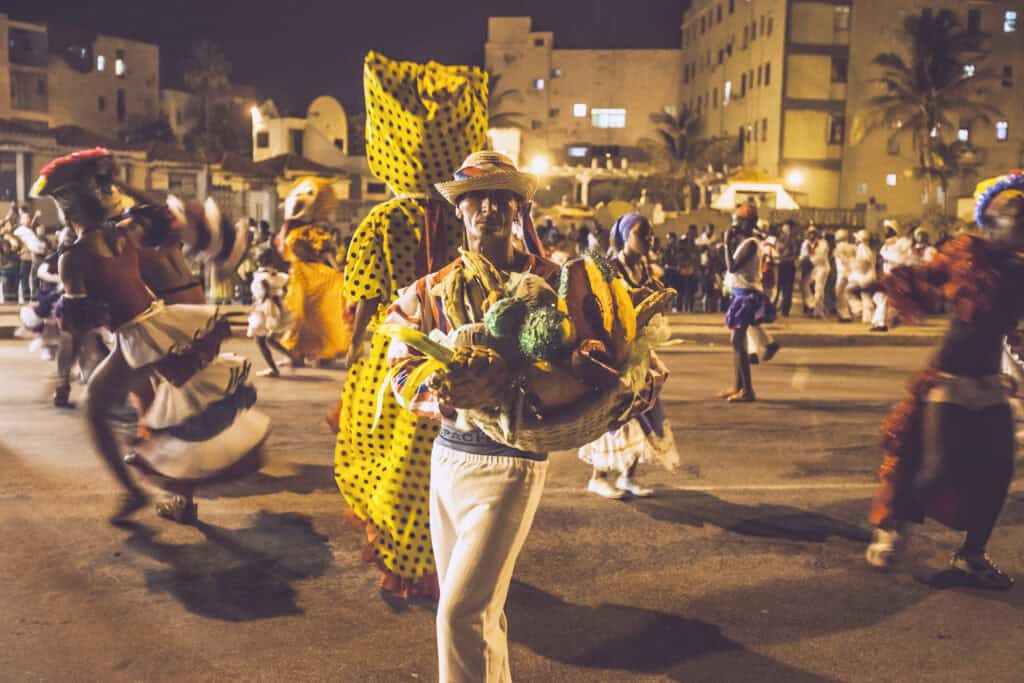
(608,118)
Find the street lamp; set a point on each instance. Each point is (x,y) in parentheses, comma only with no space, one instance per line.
(540,165)
(795,178)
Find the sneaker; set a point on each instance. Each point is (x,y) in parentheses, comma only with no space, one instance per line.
(741,397)
(754,360)
(981,571)
(886,548)
(604,488)
(269,372)
(61,396)
(626,484)
(178,509)
(771,350)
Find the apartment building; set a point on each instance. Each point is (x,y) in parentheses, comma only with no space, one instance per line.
(787,78)
(579,105)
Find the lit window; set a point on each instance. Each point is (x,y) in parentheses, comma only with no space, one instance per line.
(608,118)
(1010,22)
(539,84)
(890,180)
(969,70)
(963,135)
(1002,130)
(842,19)
(935,132)
(727,93)
(119,67)
(578,152)
(579,110)
(101,63)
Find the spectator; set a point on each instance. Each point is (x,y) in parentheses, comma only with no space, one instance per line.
(863,279)
(814,261)
(670,262)
(8,269)
(769,260)
(922,250)
(788,248)
(689,264)
(844,254)
(32,250)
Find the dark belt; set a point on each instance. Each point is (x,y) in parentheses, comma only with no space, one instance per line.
(478,443)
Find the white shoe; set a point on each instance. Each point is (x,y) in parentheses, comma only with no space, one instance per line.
(604,488)
(627,485)
(886,548)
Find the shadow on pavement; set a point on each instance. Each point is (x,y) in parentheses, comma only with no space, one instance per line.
(237,574)
(838,406)
(697,508)
(634,639)
(306,479)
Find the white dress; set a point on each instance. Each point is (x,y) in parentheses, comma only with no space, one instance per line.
(267,316)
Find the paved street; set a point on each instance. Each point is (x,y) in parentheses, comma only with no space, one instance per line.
(747,565)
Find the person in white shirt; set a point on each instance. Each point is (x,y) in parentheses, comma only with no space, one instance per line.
(922,251)
(844,254)
(814,250)
(863,278)
(268,319)
(895,251)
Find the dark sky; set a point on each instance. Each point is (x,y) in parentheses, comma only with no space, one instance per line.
(312,47)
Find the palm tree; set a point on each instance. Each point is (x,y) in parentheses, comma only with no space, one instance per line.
(207,73)
(922,96)
(496,118)
(679,136)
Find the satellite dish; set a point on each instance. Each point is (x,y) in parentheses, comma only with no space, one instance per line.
(327,116)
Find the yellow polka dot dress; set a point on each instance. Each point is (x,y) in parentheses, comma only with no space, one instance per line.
(315,301)
(422,120)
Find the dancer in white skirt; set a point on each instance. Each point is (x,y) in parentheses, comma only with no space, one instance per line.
(268,318)
(202,423)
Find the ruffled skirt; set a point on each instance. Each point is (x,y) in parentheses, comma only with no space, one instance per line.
(645,439)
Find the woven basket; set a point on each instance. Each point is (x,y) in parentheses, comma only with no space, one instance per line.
(568,430)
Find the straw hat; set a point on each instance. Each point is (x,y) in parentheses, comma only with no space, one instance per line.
(488,171)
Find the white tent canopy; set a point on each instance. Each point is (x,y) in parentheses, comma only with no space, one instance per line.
(733,195)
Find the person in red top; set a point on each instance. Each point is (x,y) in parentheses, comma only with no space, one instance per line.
(202,421)
(949,445)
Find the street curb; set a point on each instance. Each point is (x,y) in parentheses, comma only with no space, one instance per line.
(7,331)
(798,340)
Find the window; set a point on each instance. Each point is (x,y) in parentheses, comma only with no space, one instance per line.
(262,139)
(762,24)
(28,91)
(759,73)
(339,143)
(732,6)
(295,135)
(749,135)
(727,93)
(890,180)
(554,112)
(579,110)
(840,65)
(1007,76)
(608,118)
(893,147)
(721,57)
(753,30)
(700,104)
(974,21)
(101,63)
(538,42)
(743,85)
(122,107)
(718,14)
(376,188)
(1002,131)
(119,65)
(556,72)
(969,70)
(686,73)
(764,130)
(535,125)
(1010,22)
(538,84)
(181,183)
(768,73)
(703,21)
(963,134)
(771,24)
(836,129)
(746,36)
(728,47)
(578,152)
(101,103)
(714,98)
(750,79)
(841,19)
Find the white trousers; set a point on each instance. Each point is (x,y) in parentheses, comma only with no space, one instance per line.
(842,300)
(881,316)
(820,277)
(757,341)
(481,510)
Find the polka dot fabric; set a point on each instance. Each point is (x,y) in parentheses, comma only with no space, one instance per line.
(384,475)
(422,120)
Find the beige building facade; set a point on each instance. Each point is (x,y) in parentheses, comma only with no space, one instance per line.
(787,77)
(579,105)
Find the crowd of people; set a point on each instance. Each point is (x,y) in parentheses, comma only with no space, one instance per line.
(443,289)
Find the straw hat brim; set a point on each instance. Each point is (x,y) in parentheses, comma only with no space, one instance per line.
(523,184)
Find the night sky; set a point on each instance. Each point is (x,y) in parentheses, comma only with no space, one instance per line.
(316,46)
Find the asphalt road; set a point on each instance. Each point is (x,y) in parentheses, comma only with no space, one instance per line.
(747,564)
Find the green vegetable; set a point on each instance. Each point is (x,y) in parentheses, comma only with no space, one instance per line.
(543,335)
(504,318)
